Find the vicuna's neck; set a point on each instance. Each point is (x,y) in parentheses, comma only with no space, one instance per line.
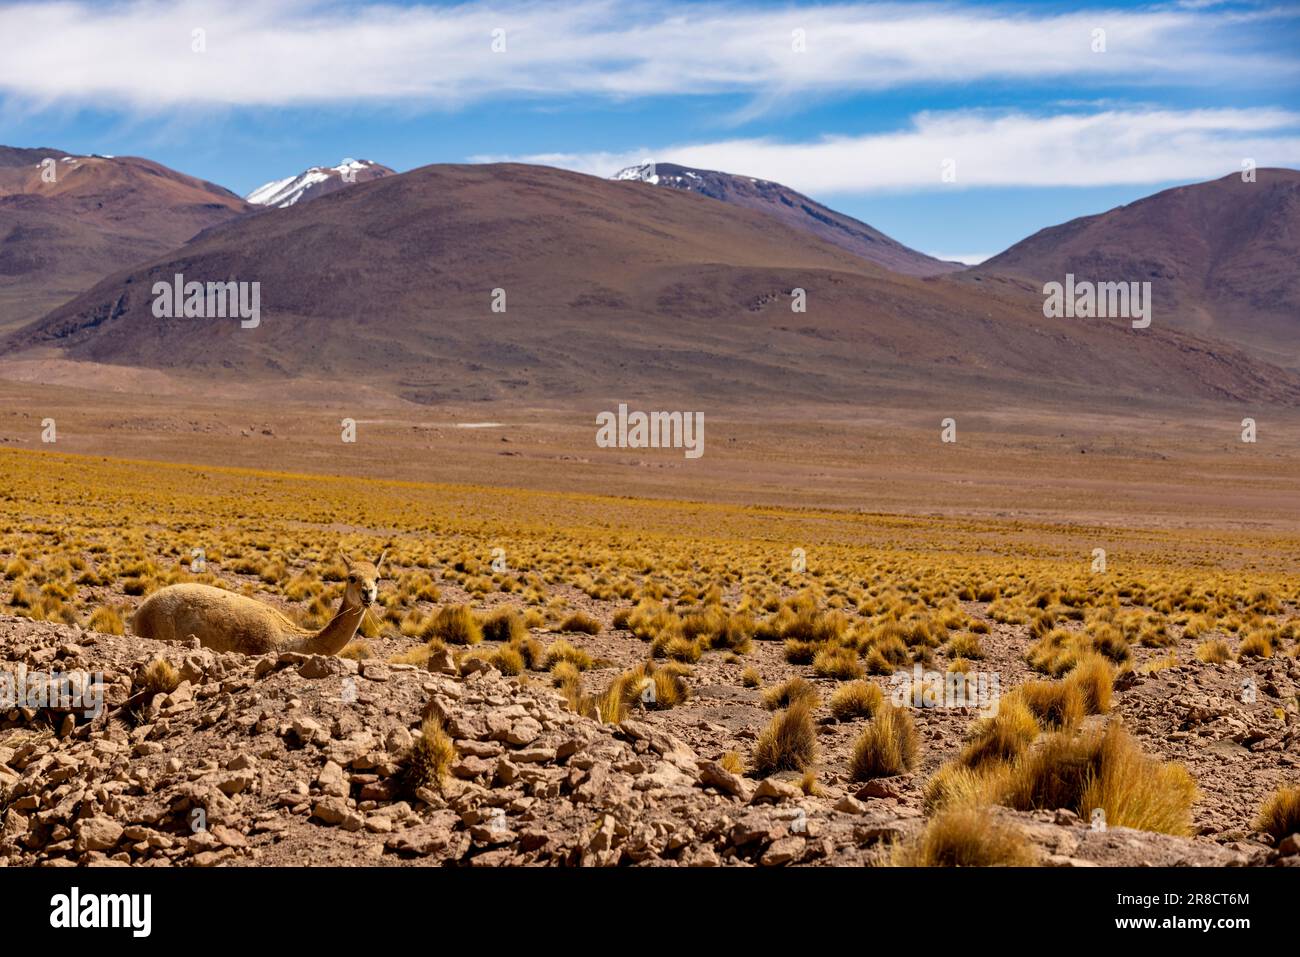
(341,629)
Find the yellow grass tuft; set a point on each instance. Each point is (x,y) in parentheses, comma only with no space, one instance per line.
(789,742)
(886,747)
(968,836)
(1280,813)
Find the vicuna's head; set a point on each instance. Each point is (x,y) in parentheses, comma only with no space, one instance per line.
(363,580)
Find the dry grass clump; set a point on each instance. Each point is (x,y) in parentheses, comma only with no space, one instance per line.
(836,661)
(563,652)
(1056,704)
(650,620)
(1003,737)
(788,692)
(731,761)
(1256,644)
(428,761)
(1279,815)
(734,632)
(1094,678)
(788,743)
(532,651)
(965,645)
(581,622)
(750,678)
(954,784)
(454,624)
(886,747)
(108,620)
(858,699)
(1214,652)
(507,660)
(802,621)
(967,836)
(357,651)
(649,687)
(418,656)
(800,652)
(677,648)
(158,677)
(504,624)
(1055,652)
(1104,770)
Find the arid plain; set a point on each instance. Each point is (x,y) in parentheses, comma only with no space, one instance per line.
(494,708)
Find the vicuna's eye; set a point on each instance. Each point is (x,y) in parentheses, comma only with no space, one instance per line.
(353,579)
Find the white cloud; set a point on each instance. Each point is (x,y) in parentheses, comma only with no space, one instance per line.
(1074,149)
(137,53)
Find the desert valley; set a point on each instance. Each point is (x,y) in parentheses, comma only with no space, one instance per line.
(951,583)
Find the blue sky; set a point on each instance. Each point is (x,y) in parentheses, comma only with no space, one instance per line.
(1041,111)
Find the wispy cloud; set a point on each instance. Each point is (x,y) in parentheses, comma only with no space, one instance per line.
(1077,149)
(299,52)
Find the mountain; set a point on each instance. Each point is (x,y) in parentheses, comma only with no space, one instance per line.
(1221,258)
(315,182)
(793,209)
(67,221)
(611,294)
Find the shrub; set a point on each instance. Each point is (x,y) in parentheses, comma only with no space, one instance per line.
(562,651)
(1279,815)
(454,624)
(581,622)
(968,836)
(886,747)
(504,624)
(1104,770)
(1214,652)
(1094,679)
(429,759)
(107,620)
(789,742)
(1057,704)
(1003,737)
(788,692)
(858,699)
(836,661)
(158,677)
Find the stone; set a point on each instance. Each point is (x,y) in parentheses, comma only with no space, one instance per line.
(236,783)
(713,774)
(850,805)
(774,790)
(443,662)
(783,851)
(97,834)
(331,780)
(335,812)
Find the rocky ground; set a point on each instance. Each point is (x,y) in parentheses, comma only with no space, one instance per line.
(295,759)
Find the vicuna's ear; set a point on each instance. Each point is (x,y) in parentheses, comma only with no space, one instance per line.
(380,560)
(347,562)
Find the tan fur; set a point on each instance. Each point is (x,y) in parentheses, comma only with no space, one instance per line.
(225,621)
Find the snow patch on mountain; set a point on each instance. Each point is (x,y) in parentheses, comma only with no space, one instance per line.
(287,191)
